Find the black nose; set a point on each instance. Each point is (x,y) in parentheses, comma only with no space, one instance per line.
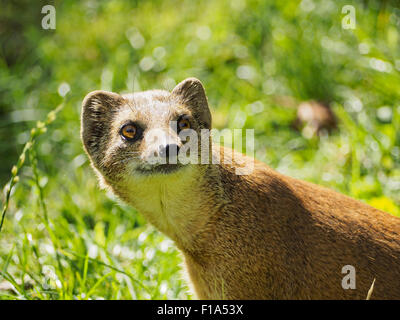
(169,151)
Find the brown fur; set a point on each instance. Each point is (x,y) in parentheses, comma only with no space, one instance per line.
(257,236)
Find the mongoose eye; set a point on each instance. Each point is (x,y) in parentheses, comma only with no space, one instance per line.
(183,123)
(128,132)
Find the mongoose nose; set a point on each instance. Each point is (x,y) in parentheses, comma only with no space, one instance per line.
(169,151)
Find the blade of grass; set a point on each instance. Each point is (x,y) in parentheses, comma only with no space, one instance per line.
(35,132)
(97,284)
(370,290)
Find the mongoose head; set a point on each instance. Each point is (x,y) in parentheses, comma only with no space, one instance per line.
(141,134)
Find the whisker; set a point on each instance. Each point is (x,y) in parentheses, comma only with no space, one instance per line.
(133,93)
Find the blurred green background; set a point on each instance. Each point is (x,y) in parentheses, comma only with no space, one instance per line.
(63,238)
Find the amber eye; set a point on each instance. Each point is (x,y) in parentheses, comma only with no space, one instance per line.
(128,131)
(183,123)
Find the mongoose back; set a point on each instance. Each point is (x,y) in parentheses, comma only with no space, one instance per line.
(261,235)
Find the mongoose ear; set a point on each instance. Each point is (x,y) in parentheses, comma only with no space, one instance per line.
(191,92)
(97,112)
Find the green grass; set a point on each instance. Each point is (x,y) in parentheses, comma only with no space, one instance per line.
(63,237)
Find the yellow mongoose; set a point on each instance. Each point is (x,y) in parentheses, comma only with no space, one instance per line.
(257,236)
